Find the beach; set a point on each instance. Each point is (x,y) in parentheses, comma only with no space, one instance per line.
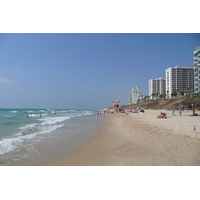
(141,140)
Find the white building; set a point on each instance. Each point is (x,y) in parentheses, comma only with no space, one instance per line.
(136,95)
(179,79)
(157,86)
(130,100)
(196,56)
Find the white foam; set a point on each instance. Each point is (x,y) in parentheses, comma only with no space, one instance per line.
(53,120)
(49,129)
(9,144)
(28,126)
(34,115)
(88,113)
(43,114)
(13,111)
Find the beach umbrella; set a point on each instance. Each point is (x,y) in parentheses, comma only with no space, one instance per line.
(116,101)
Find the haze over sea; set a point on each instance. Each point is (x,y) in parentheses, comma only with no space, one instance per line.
(26,134)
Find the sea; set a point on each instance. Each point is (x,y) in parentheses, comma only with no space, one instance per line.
(38,136)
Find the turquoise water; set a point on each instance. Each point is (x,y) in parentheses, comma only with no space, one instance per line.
(24,131)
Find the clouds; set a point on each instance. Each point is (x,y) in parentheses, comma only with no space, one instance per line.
(7,81)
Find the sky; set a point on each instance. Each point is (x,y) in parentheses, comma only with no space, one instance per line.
(85,70)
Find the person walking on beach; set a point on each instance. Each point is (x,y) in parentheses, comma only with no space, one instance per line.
(180,111)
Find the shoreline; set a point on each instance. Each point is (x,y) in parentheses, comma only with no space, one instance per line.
(141,140)
(62,142)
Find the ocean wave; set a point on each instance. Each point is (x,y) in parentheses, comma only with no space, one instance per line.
(88,113)
(28,129)
(14,111)
(42,110)
(33,115)
(10,144)
(20,134)
(8,116)
(49,129)
(28,132)
(53,120)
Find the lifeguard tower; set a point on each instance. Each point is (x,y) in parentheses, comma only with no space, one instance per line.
(116,105)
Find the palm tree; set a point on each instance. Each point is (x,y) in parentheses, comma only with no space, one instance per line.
(164,94)
(157,94)
(174,93)
(182,93)
(191,88)
(188,90)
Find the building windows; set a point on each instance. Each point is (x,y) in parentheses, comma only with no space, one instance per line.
(196,55)
(181,78)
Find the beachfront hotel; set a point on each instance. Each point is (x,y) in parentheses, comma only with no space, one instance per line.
(196,57)
(179,79)
(157,87)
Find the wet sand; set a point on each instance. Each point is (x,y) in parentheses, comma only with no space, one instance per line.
(141,140)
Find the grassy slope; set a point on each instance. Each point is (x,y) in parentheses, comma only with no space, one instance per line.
(155,104)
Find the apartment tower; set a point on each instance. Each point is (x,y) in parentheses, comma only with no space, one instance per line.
(196,56)
(179,79)
(157,86)
(136,95)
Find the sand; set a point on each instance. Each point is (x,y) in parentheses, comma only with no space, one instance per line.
(141,140)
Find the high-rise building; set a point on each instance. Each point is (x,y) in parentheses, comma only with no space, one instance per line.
(179,79)
(136,95)
(196,56)
(157,87)
(130,100)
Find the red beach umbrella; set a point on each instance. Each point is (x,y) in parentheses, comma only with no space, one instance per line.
(116,101)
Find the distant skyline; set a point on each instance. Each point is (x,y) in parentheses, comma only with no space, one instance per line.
(86,70)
